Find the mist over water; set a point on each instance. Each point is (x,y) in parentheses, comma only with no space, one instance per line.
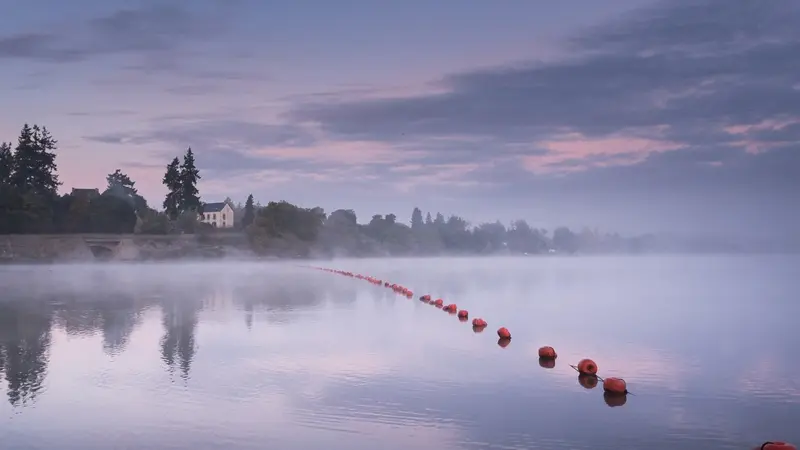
(249,355)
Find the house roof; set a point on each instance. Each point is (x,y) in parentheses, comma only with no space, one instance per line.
(213,207)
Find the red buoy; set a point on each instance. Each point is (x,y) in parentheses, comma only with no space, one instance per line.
(616,386)
(504,333)
(438,303)
(463,314)
(777,445)
(479,323)
(547,352)
(587,366)
(503,342)
(451,308)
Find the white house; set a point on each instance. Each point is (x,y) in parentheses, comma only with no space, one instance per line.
(218,215)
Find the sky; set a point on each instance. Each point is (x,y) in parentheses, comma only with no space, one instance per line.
(623,115)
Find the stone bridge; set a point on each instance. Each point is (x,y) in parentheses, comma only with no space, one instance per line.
(105,247)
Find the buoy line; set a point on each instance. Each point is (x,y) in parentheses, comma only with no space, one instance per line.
(615,390)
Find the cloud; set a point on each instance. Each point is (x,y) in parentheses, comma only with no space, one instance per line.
(154,33)
(222,133)
(225,145)
(675,76)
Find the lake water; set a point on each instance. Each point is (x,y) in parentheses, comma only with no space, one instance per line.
(270,355)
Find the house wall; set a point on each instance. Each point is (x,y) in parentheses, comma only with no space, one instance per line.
(222,219)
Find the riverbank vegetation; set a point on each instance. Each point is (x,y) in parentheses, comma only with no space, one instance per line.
(31,204)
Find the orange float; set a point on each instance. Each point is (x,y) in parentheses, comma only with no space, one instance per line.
(504,333)
(615,386)
(587,366)
(479,323)
(503,342)
(438,303)
(463,314)
(587,381)
(547,352)
(547,363)
(451,308)
(777,445)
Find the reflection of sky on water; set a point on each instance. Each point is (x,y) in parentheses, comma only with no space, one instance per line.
(246,355)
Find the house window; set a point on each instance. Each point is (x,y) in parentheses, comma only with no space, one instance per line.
(223,216)
(215,216)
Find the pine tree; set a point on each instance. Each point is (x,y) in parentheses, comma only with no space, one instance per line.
(46,145)
(189,198)
(6,163)
(121,185)
(172,180)
(120,182)
(249,211)
(428,220)
(34,161)
(24,159)
(416,219)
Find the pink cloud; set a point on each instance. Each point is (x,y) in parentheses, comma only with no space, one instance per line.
(451,175)
(755,147)
(575,147)
(342,152)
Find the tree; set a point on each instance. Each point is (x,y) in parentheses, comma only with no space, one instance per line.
(189,175)
(109,213)
(152,222)
(34,161)
(249,211)
(172,180)
(6,163)
(428,220)
(416,219)
(564,239)
(279,219)
(120,184)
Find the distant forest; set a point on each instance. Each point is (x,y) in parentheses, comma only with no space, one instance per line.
(30,204)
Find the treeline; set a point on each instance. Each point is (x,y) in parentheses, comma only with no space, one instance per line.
(30,203)
(283,229)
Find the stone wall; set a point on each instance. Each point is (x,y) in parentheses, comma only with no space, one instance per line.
(74,248)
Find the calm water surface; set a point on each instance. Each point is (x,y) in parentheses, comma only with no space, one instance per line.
(262,355)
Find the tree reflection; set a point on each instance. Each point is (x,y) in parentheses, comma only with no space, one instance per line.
(180,317)
(114,314)
(24,350)
(118,320)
